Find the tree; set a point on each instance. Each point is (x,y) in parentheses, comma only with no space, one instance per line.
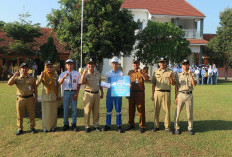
(49,52)
(159,40)
(108,30)
(222,43)
(2,49)
(23,34)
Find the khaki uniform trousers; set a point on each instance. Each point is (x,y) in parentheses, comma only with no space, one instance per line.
(91,102)
(137,99)
(49,114)
(162,99)
(184,99)
(21,104)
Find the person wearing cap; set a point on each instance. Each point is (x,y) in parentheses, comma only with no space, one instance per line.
(91,78)
(185,82)
(161,93)
(71,82)
(49,98)
(117,101)
(137,95)
(26,96)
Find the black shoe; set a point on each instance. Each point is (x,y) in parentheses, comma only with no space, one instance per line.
(130,128)
(74,127)
(53,130)
(142,130)
(191,132)
(19,132)
(66,127)
(45,130)
(87,130)
(106,128)
(169,131)
(98,129)
(119,129)
(155,129)
(33,130)
(177,131)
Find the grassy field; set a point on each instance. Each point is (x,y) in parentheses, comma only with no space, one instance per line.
(212,123)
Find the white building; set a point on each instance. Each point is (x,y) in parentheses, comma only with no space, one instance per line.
(178,12)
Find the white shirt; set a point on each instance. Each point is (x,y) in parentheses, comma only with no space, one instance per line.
(215,71)
(112,73)
(210,71)
(197,72)
(76,79)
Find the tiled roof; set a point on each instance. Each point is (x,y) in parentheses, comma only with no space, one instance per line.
(208,37)
(197,41)
(40,41)
(164,7)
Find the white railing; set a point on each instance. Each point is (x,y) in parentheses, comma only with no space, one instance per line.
(192,34)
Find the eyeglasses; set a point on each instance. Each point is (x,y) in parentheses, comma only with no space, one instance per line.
(49,67)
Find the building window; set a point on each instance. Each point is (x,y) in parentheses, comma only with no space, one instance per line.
(141,26)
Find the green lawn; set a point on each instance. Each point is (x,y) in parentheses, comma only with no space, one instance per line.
(212,123)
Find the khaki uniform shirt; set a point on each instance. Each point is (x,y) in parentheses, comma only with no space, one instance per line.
(161,79)
(92,81)
(25,85)
(184,81)
(137,81)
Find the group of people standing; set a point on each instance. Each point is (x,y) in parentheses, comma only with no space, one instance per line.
(204,74)
(71,82)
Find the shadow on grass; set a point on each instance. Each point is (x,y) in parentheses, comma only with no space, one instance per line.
(80,113)
(208,125)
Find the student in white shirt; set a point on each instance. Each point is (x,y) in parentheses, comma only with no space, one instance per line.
(70,81)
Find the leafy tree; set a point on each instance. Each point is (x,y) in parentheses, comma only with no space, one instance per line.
(222,43)
(161,39)
(23,34)
(108,30)
(49,52)
(2,49)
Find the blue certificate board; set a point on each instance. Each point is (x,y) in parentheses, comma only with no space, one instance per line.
(120,86)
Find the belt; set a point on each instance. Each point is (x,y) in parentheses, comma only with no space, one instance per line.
(164,90)
(92,91)
(137,91)
(25,96)
(190,92)
(69,90)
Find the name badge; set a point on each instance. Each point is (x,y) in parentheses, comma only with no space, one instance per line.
(74,81)
(136,81)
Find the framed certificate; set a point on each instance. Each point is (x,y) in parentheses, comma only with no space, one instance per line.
(120,86)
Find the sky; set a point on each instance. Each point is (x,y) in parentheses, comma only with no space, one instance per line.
(10,9)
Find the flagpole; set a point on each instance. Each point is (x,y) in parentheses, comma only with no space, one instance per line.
(82,11)
(82,17)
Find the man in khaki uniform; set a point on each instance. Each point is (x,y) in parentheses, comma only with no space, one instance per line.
(26,97)
(161,93)
(137,95)
(183,93)
(91,100)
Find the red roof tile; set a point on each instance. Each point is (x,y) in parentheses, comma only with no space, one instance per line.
(198,41)
(164,7)
(208,37)
(40,41)
(43,39)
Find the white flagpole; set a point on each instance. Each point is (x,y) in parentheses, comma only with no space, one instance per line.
(82,19)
